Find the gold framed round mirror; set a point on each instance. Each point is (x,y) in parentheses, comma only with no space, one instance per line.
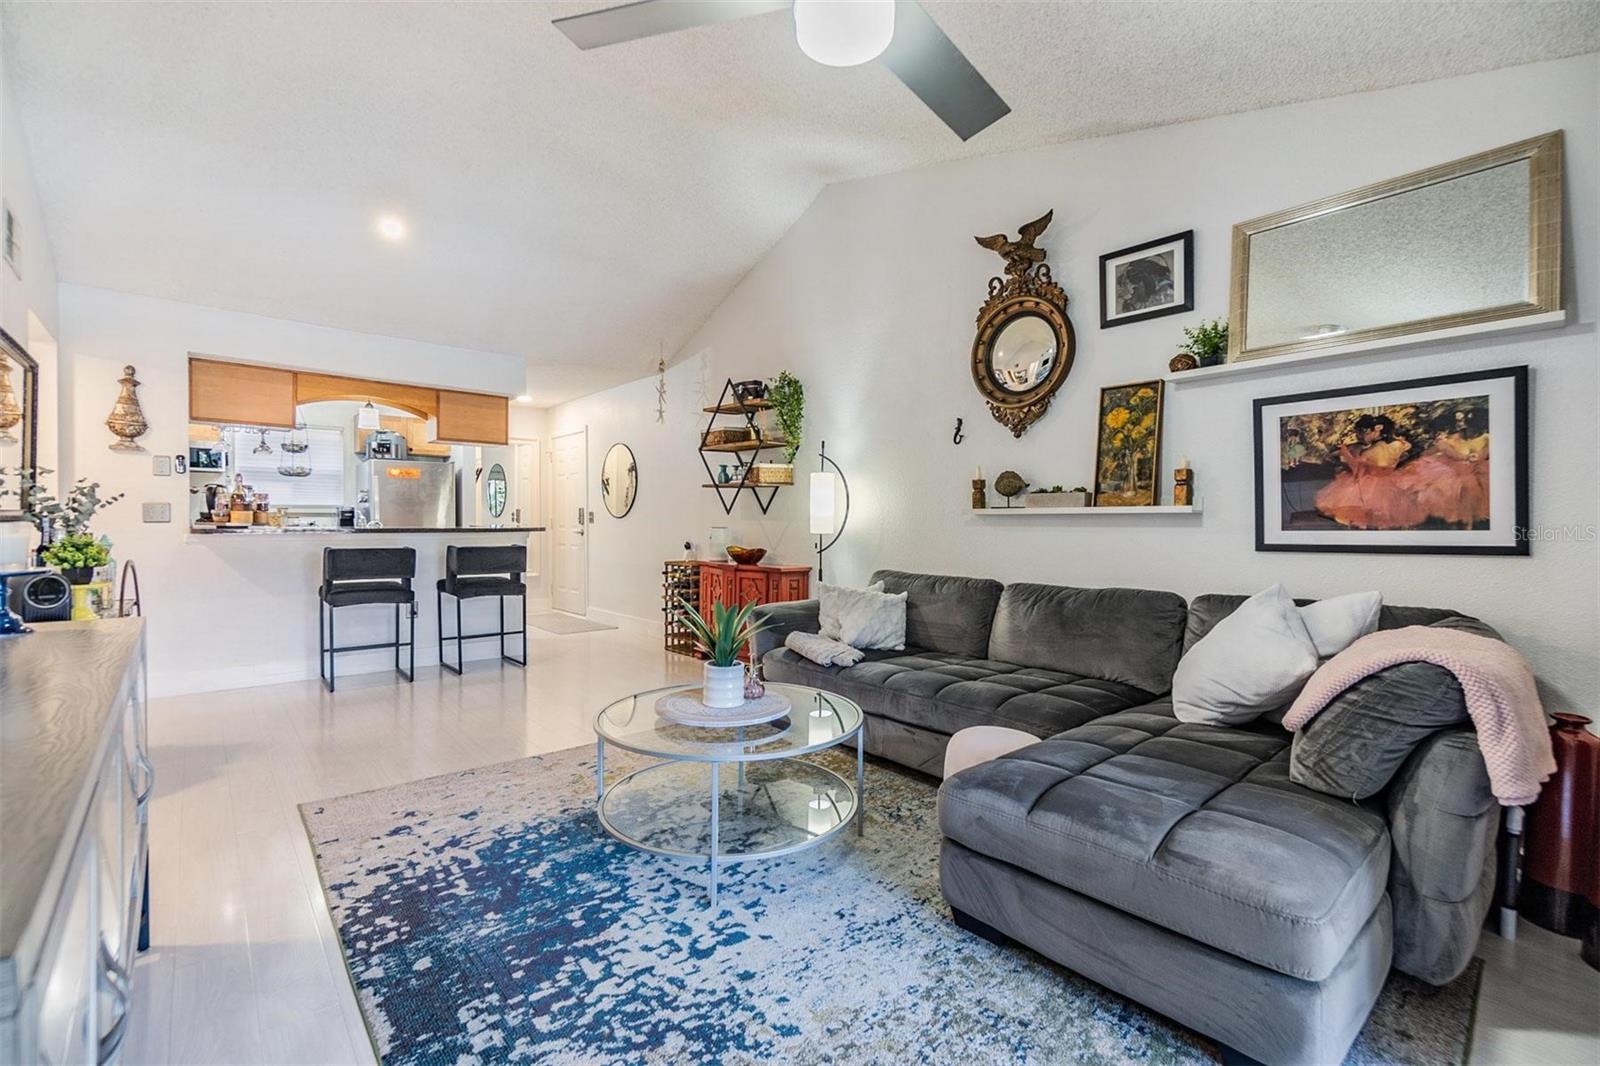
(1025,344)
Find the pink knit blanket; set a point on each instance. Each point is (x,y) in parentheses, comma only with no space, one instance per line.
(1499,689)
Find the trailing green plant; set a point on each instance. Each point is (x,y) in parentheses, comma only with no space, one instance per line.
(727,632)
(788,400)
(77,550)
(69,516)
(1208,342)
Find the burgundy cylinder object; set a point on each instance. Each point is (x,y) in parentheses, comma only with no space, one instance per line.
(1561,860)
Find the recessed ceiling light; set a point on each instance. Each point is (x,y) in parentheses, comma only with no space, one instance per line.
(843,34)
(392,227)
(524,398)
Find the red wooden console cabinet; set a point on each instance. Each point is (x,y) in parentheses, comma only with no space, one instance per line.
(732,583)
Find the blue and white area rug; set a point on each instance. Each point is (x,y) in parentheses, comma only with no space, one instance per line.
(486,917)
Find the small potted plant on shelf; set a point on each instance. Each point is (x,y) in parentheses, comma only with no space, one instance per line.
(77,555)
(721,639)
(788,400)
(1207,345)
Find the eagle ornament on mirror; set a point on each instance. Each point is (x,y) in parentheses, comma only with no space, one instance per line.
(1025,344)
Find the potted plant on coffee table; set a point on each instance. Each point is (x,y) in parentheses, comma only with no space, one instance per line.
(721,639)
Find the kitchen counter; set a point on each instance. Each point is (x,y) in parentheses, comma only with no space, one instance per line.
(63,685)
(286,531)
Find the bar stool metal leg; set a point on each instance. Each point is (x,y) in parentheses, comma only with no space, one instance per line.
(333,646)
(322,644)
(412,643)
(523,632)
(443,663)
(460,643)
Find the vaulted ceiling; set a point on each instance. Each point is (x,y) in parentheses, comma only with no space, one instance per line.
(580,208)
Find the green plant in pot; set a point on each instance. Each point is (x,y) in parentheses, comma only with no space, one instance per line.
(1207,342)
(77,555)
(788,400)
(720,639)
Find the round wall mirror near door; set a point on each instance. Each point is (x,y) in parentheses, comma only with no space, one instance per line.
(619,480)
(495,490)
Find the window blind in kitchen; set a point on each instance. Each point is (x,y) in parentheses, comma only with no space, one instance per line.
(324,487)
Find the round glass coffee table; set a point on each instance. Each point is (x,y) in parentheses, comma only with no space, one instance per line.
(729,794)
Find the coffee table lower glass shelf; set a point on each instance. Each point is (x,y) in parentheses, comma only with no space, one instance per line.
(730,795)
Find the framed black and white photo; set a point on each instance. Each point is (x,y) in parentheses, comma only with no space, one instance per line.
(1431,465)
(1147,280)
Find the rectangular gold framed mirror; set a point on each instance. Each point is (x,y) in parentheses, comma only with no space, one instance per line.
(1465,243)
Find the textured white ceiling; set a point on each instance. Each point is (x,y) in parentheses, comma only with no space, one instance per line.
(580,207)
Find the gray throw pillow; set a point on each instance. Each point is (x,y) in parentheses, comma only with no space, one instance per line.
(1354,746)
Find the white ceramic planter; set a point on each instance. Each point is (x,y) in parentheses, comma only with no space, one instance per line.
(724,685)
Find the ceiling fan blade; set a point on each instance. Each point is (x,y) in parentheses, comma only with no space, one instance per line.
(933,67)
(646,18)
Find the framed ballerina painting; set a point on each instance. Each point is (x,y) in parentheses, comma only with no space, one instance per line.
(1432,465)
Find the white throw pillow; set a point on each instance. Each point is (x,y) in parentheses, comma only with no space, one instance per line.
(828,599)
(1337,623)
(1253,661)
(873,620)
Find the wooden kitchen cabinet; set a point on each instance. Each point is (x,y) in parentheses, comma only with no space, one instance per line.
(472,418)
(240,394)
(733,584)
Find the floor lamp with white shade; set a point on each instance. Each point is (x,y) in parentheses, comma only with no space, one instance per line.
(827,521)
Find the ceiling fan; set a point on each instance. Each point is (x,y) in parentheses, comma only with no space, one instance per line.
(840,33)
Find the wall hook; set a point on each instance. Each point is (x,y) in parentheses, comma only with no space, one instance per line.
(956,439)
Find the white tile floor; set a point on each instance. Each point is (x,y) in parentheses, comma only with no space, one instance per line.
(244,965)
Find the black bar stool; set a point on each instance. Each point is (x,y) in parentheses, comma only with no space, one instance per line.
(355,576)
(489,571)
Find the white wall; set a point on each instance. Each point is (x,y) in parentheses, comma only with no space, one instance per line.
(28,302)
(871,298)
(223,614)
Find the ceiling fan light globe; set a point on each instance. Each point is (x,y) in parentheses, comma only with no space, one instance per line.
(843,33)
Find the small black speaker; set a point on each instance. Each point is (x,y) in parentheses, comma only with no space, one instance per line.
(40,597)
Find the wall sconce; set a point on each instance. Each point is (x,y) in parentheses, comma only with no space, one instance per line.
(825,521)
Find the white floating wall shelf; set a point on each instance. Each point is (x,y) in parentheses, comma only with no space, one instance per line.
(1298,361)
(1087,512)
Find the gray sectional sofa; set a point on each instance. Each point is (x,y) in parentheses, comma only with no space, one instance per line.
(1175,863)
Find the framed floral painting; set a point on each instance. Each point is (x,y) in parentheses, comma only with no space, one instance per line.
(1127,453)
(1431,465)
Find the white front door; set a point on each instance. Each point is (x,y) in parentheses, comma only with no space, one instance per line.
(570,502)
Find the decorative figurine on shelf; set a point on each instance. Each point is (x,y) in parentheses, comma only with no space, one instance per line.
(127,420)
(1183,484)
(980,494)
(1010,485)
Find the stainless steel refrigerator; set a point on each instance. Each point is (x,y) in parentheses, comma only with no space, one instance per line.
(408,492)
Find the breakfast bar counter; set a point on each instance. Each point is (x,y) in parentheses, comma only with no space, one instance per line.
(201,530)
